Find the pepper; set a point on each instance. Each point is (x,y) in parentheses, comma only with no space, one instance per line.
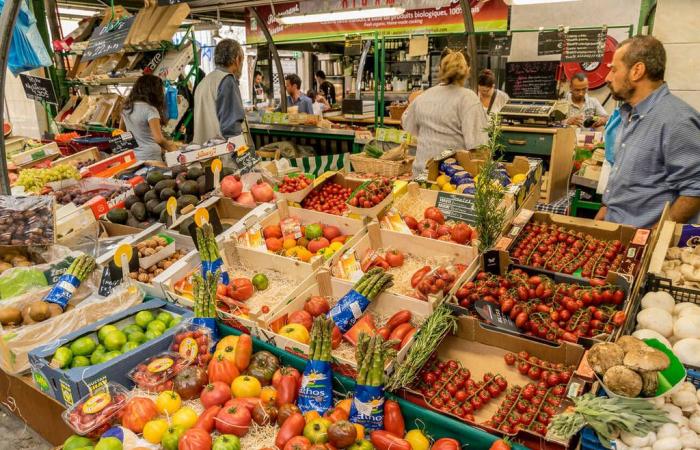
(287,390)
(206,420)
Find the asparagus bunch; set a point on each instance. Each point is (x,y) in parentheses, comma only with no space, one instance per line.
(371,355)
(204,292)
(321,342)
(208,250)
(373,282)
(82,267)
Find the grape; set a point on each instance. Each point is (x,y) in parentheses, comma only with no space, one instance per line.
(33,180)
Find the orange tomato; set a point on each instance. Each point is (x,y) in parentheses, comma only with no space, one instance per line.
(311,415)
(345,405)
(268,394)
(289,243)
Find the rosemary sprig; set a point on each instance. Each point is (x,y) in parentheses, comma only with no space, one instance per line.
(488,195)
(434,329)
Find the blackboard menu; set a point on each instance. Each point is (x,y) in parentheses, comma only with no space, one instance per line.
(123,142)
(550,42)
(456,207)
(246,161)
(500,45)
(108,39)
(584,46)
(37,88)
(532,79)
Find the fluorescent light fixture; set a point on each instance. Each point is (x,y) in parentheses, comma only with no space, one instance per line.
(537,2)
(341,15)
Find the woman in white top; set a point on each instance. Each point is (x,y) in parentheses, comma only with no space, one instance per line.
(447,116)
(492,99)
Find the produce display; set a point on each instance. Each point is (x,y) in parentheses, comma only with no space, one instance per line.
(682,266)
(539,307)
(454,178)
(329,198)
(434,226)
(26,221)
(291,184)
(35,180)
(79,197)
(370,193)
(110,341)
(293,239)
(557,249)
(16,258)
(233,188)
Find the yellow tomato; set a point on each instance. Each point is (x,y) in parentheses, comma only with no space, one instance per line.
(449,187)
(268,394)
(519,178)
(185,417)
(360,431)
(289,243)
(335,246)
(154,430)
(168,402)
(246,386)
(417,440)
(434,187)
(227,341)
(296,332)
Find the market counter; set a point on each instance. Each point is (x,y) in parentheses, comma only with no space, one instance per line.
(370,121)
(39,411)
(324,141)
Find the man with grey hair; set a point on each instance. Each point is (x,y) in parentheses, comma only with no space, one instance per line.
(582,106)
(218,108)
(657,150)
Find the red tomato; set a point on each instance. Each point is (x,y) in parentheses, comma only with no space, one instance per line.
(446,444)
(394,258)
(298,443)
(435,214)
(216,393)
(137,412)
(233,420)
(195,439)
(240,289)
(461,233)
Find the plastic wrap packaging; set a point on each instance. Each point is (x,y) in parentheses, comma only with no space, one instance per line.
(18,283)
(27,220)
(17,342)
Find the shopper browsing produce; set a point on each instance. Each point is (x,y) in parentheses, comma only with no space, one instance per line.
(446,116)
(218,108)
(492,99)
(143,115)
(295,98)
(584,110)
(657,152)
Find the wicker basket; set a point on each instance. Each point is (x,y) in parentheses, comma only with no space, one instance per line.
(396,111)
(385,168)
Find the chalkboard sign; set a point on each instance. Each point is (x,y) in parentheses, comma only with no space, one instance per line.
(584,46)
(550,42)
(115,273)
(353,45)
(107,284)
(37,88)
(500,45)
(533,79)
(108,39)
(214,221)
(456,207)
(123,142)
(245,160)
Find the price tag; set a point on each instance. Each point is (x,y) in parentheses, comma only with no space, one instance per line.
(493,315)
(246,159)
(107,284)
(124,261)
(212,217)
(456,207)
(216,167)
(171,208)
(201,216)
(39,89)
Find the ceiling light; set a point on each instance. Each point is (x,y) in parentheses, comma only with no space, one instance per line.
(341,15)
(537,2)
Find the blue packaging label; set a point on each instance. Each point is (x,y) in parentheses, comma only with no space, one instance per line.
(63,290)
(367,407)
(348,310)
(213,266)
(316,392)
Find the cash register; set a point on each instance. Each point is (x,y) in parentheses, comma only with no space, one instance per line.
(532,112)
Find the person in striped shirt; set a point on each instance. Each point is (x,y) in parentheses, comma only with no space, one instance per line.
(657,146)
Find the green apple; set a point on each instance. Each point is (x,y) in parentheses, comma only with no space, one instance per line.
(109,443)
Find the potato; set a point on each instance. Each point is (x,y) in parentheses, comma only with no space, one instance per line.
(55,310)
(39,311)
(10,316)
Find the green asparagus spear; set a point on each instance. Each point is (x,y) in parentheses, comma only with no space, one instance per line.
(314,337)
(371,282)
(378,286)
(327,340)
(362,373)
(375,373)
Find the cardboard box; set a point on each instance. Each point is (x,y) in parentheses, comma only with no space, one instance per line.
(284,274)
(254,227)
(635,240)
(36,154)
(68,386)
(200,153)
(382,307)
(418,251)
(671,234)
(229,212)
(481,350)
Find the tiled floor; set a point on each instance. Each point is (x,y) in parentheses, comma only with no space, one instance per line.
(16,435)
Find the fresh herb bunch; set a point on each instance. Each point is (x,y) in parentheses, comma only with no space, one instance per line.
(204,292)
(488,192)
(607,417)
(373,282)
(321,339)
(432,332)
(371,355)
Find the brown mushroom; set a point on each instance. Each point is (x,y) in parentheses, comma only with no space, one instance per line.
(623,381)
(647,361)
(605,355)
(629,343)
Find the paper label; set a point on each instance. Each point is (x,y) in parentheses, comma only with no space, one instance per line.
(316,392)
(350,266)
(188,349)
(255,238)
(348,309)
(63,290)
(213,266)
(291,225)
(395,222)
(367,408)
(96,403)
(160,365)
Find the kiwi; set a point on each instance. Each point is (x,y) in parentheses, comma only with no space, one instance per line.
(10,316)
(39,311)
(55,310)
(26,318)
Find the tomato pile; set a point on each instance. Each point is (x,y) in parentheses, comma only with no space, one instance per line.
(193,345)
(440,281)
(330,198)
(547,310)
(560,250)
(434,226)
(539,370)
(387,260)
(93,415)
(371,194)
(293,184)
(156,374)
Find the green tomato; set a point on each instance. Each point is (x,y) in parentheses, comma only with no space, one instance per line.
(111,355)
(171,437)
(165,317)
(83,346)
(104,331)
(152,334)
(143,318)
(362,444)
(109,443)
(115,340)
(129,346)
(156,325)
(80,361)
(176,320)
(136,336)
(62,358)
(75,442)
(227,442)
(131,329)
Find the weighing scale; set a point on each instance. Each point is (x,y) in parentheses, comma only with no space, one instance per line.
(534,113)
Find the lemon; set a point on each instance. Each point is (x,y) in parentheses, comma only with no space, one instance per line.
(442,180)
(519,178)
(449,187)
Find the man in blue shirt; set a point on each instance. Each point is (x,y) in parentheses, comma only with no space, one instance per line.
(657,147)
(295,97)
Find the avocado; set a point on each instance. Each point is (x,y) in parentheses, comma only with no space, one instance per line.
(139,211)
(132,222)
(202,185)
(185,200)
(226,171)
(189,187)
(166,193)
(185,226)
(159,208)
(151,207)
(194,172)
(165,184)
(141,189)
(130,200)
(163,216)
(118,215)
(177,170)
(154,177)
(181,178)
(150,195)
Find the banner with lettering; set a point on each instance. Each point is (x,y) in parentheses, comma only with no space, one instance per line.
(446,17)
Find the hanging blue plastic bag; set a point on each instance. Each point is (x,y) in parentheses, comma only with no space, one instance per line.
(27,51)
(171,100)
(316,392)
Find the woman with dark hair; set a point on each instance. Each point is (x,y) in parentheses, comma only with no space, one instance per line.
(143,115)
(492,99)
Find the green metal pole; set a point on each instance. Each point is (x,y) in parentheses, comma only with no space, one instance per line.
(382,82)
(39,11)
(645,10)
(377,55)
